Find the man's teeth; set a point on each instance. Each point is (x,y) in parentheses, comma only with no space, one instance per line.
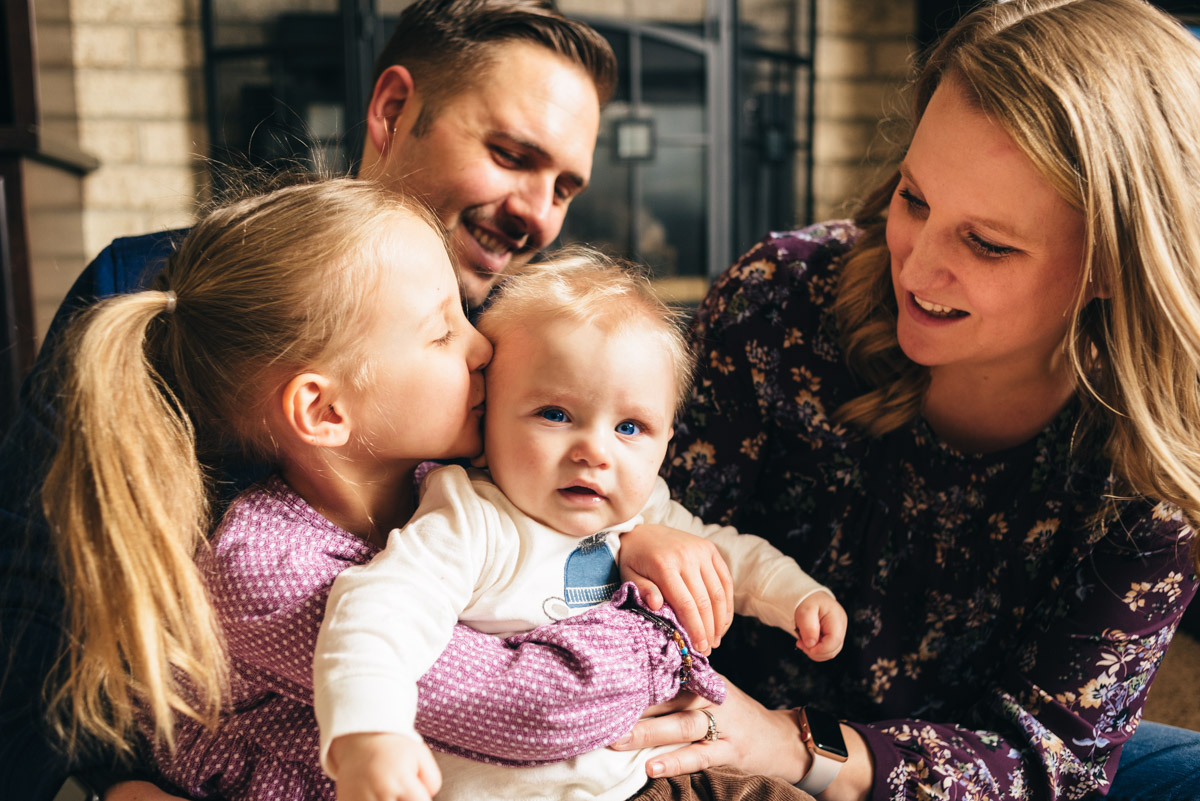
(489,242)
(934,308)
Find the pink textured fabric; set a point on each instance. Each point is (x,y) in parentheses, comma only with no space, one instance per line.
(542,696)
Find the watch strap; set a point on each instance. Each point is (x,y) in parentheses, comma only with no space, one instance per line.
(824,769)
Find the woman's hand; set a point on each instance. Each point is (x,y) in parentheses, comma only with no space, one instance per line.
(752,738)
(686,571)
(138,791)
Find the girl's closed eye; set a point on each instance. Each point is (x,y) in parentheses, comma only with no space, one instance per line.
(446,338)
(553,414)
(629,428)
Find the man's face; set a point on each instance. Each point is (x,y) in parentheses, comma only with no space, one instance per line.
(501,161)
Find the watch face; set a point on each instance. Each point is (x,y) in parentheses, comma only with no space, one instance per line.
(825,732)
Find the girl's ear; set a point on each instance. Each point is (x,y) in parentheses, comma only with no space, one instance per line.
(312,414)
(392,98)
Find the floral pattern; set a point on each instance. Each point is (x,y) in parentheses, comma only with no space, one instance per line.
(1005,622)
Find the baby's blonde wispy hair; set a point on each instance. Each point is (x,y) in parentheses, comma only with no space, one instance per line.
(583,285)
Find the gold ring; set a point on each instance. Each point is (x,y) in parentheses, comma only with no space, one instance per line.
(713,733)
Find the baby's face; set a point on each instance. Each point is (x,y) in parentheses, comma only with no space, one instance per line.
(578,421)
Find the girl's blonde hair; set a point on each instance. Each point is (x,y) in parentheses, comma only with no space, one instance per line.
(257,292)
(583,285)
(1101,95)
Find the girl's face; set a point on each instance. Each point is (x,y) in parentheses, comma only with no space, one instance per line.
(986,256)
(424,395)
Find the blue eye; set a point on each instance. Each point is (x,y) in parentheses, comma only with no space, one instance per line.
(628,428)
(553,415)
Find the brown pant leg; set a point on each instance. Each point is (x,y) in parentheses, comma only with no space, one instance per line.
(720,784)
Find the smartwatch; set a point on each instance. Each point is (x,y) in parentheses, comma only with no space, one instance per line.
(822,735)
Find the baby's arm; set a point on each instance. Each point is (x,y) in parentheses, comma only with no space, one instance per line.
(385,624)
(820,626)
(685,570)
(384,767)
(768,584)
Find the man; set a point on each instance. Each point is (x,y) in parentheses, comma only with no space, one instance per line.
(498,140)
(486,109)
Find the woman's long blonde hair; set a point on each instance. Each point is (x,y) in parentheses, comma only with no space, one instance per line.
(1102,96)
(258,291)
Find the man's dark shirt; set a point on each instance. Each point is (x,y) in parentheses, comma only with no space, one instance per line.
(31,598)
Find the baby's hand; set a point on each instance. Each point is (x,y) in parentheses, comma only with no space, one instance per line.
(686,571)
(820,626)
(383,767)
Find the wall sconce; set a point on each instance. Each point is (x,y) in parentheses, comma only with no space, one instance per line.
(634,139)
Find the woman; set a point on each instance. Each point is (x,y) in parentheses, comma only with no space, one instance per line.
(973,413)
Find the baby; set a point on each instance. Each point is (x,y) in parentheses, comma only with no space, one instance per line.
(587,372)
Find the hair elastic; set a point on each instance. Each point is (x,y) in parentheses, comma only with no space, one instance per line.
(172,301)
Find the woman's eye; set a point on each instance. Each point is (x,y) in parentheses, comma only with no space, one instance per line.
(553,415)
(628,428)
(914,203)
(988,249)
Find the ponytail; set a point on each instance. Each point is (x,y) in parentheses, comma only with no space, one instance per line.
(127,507)
(259,291)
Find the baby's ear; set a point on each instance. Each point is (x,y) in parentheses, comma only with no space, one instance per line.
(312,414)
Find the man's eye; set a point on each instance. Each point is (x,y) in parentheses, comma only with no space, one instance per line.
(553,415)
(506,157)
(628,428)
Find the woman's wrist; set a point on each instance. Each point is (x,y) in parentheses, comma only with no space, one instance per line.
(798,760)
(856,779)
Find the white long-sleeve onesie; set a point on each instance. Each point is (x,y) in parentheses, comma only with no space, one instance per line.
(469,555)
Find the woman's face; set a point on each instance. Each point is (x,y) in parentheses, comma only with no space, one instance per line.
(986,257)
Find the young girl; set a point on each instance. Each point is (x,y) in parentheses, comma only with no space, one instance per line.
(320,329)
(588,371)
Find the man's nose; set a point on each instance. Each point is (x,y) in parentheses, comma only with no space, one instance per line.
(532,203)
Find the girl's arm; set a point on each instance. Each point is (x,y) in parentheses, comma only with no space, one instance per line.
(613,662)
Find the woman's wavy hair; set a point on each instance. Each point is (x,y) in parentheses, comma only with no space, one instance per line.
(260,290)
(1101,95)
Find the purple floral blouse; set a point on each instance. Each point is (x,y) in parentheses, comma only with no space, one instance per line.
(1001,642)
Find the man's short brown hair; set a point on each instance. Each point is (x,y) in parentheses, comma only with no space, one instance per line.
(446,44)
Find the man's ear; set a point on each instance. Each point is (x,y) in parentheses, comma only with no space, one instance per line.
(392,97)
(311,413)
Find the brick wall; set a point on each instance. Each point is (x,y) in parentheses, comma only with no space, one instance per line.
(863,55)
(122,79)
